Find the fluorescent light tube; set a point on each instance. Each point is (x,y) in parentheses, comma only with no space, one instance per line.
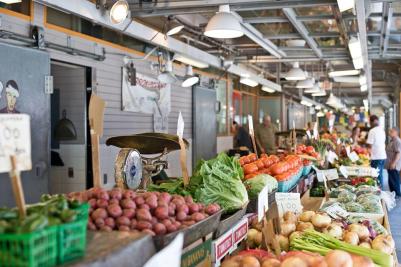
(268,89)
(190,61)
(344,5)
(343,73)
(355,47)
(358,63)
(248,81)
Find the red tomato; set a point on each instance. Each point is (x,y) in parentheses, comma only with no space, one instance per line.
(274,158)
(250,168)
(263,155)
(259,163)
(252,157)
(244,159)
(309,149)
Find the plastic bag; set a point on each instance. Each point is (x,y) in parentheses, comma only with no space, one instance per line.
(354,207)
(366,189)
(389,199)
(346,196)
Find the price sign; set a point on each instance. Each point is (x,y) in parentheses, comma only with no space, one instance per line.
(331,174)
(180,126)
(336,212)
(263,202)
(288,202)
(353,156)
(308,134)
(360,171)
(250,123)
(315,132)
(15,140)
(344,171)
(170,255)
(331,157)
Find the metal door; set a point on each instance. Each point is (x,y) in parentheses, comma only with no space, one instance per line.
(204,124)
(22,74)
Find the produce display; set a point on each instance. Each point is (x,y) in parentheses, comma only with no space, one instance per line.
(253,166)
(302,149)
(151,212)
(257,183)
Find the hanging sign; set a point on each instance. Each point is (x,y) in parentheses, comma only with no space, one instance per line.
(15,140)
(288,202)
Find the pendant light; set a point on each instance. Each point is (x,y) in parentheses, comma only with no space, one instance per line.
(119,11)
(173,27)
(314,89)
(190,79)
(307,83)
(295,74)
(224,25)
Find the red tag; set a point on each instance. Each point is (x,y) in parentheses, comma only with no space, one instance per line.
(223,247)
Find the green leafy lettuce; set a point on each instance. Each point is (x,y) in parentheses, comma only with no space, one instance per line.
(256,184)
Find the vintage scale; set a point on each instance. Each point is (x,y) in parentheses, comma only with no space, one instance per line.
(132,169)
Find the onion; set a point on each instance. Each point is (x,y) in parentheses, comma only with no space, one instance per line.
(338,258)
(306,216)
(250,261)
(365,245)
(295,235)
(290,217)
(294,262)
(302,226)
(351,238)
(287,228)
(271,263)
(361,230)
(361,261)
(321,220)
(284,242)
(334,230)
(383,243)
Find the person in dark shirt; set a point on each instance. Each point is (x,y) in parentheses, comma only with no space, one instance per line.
(241,136)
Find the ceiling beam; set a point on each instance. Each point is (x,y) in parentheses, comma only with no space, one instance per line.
(261,20)
(270,59)
(163,8)
(300,27)
(387,29)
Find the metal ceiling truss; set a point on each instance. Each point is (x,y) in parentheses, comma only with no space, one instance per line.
(386,22)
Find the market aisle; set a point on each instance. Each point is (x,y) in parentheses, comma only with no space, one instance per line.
(395,219)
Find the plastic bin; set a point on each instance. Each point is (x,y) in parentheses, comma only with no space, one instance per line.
(36,249)
(285,186)
(307,169)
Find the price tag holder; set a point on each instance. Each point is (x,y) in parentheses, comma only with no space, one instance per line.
(263,202)
(288,202)
(353,156)
(170,255)
(336,212)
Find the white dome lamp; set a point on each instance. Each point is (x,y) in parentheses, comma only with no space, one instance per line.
(224,25)
(190,79)
(119,11)
(295,74)
(167,76)
(307,83)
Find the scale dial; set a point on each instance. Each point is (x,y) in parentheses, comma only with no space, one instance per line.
(128,168)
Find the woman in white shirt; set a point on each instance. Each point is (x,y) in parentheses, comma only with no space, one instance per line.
(377,144)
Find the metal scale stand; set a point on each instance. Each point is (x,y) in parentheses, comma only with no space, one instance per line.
(132,169)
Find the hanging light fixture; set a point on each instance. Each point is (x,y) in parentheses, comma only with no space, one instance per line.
(173,27)
(268,89)
(344,5)
(364,87)
(119,11)
(167,76)
(307,83)
(190,79)
(340,73)
(295,74)
(224,25)
(248,81)
(314,89)
(190,61)
(9,2)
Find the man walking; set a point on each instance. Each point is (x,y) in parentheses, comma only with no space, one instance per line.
(266,136)
(377,144)
(393,163)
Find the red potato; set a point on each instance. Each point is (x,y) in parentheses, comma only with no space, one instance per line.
(201,206)
(122,220)
(148,231)
(150,196)
(106,228)
(124,228)
(102,195)
(110,222)
(151,202)
(183,208)
(101,203)
(177,224)
(161,213)
(99,213)
(197,216)
(166,222)
(144,206)
(189,199)
(143,215)
(133,224)
(100,222)
(162,203)
(171,228)
(91,210)
(189,223)
(178,202)
(171,209)
(129,194)
(116,193)
(159,229)
(127,204)
(212,209)
(129,213)
(114,210)
(142,225)
(91,226)
(91,193)
(92,203)
(193,208)
(165,196)
(114,201)
(181,216)
(154,221)
(139,200)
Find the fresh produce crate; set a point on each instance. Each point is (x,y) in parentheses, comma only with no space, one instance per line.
(285,186)
(36,249)
(253,203)
(228,222)
(72,236)
(307,169)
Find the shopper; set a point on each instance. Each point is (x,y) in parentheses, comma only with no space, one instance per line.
(266,136)
(377,144)
(241,136)
(356,131)
(393,163)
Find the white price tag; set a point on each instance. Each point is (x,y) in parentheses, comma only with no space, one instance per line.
(348,150)
(353,156)
(308,134)
(331,174)
(338,141)
(336,212)
(250,123)
(315,132)
(361,171)
(293,124)
(288,202)
(344,171)
(263,202)
(170,255)
(180,126)
(15,139)
(331,157)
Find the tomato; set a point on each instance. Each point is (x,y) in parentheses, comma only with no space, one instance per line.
(259,163)
(274,158)
(250,176)
(250,168)
(309,149)
(263,155)
(315,155)
(267,162)
(252,157)
(276,168)
(244,159)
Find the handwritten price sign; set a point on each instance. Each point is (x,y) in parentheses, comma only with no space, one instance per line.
(288,202)
(15,140)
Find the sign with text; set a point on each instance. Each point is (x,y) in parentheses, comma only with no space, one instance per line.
(263,202)
(331,156)
(15,139)
(353,156)
(170,255)
(222,246)
(336,211)
(288,202)
(359,171)
(240,230)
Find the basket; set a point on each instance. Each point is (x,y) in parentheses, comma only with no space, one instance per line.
(72,236)
(307,169)
(36,249)
(285,186)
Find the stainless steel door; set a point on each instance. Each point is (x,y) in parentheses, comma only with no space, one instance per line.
(204,124)
(22,74)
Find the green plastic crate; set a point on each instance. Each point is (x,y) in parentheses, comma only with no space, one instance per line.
(36,249)
(72,237)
